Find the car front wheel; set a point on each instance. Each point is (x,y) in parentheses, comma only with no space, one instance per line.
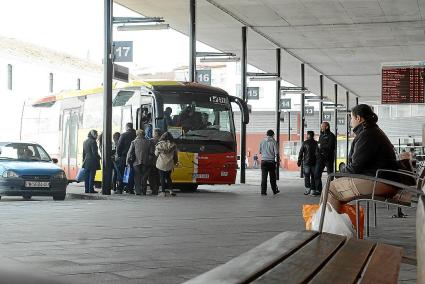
(59,197)
(27,197)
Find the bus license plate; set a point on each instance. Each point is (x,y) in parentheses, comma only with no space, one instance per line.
(37,184)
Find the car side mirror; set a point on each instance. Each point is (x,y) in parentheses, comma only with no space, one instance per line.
(55,161)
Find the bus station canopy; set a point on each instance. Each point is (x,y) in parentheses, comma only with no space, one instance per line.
(345,40)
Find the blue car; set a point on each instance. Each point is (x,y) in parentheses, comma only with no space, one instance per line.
(27,170)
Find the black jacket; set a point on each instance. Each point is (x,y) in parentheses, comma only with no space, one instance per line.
(308,152)
(124,143)
(371,150)
(91,157)
(327,142)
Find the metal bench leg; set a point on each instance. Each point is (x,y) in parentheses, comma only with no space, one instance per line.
(358,219)
(375,217)
(367,218)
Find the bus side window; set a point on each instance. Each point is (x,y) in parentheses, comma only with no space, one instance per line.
(126,116)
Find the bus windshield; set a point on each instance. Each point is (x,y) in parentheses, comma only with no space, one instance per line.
(198,117)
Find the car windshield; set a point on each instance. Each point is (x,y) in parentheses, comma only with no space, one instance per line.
(23,152)
(202,117)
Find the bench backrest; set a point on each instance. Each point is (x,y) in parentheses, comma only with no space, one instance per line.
(420,239)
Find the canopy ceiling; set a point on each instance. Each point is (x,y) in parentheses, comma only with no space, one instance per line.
(345,40)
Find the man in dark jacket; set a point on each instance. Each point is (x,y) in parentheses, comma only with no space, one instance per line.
(326,157)
(307,157)
(153,173)
(91,161)
(123,146)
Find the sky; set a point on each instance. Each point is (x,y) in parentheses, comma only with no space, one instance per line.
(76,27)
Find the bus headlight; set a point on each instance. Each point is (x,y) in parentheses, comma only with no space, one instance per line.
(10,174)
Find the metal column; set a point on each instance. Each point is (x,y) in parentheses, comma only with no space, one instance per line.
(336,124)
(302,111)
(321,102)
(278,112)
(192,39)
(289,126)
(107,101)
(347,122)
(244,97)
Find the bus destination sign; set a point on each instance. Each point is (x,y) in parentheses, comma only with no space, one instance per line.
(403,84)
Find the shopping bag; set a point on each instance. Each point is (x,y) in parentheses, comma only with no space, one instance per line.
(334,223)
(127,174)
(350,210)
(81,175)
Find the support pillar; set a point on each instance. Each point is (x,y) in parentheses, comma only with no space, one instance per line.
(278,59)
(107,101)
(336,124)
(321,102)
(192,39)
(244,64)
(302,112)
(347,121)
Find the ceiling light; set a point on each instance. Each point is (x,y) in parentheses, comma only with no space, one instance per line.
(143,27)
(265,78)
(252,74)
(220,59)
(211,54)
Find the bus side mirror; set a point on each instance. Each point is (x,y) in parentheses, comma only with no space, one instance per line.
(243,107)
(55,161)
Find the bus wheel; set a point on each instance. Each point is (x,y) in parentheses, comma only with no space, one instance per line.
(341,166)
(187,187)
(97,184)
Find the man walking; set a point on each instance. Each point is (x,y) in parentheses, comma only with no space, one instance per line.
(269,153)
(123,146)
(307,158)
(326,157)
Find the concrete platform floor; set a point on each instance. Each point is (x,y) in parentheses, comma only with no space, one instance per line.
(133,239)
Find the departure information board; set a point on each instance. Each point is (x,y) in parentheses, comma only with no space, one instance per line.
(403,84)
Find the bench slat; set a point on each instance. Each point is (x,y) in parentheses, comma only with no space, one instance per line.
(346,266)
(300,266)
(254,262)
(384,265)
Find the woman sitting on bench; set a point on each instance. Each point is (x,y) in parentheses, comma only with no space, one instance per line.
(371,150)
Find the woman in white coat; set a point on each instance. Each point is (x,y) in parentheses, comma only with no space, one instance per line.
(166,151)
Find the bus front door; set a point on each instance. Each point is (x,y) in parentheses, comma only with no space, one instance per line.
(70,119)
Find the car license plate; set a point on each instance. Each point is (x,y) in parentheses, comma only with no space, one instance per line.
(37,184)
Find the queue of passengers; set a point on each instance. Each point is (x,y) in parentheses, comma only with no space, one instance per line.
(148,158)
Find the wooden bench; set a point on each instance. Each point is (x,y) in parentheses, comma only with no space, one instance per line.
(300,257)
(313,257)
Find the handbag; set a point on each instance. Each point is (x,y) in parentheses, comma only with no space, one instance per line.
(127,174)
(81,175)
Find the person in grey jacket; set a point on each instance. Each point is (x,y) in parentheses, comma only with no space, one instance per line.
(91,161)
(269,153)
(166,151)
(140,155)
